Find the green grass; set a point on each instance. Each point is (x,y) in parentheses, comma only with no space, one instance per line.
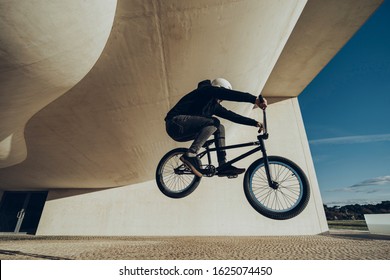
(348,224)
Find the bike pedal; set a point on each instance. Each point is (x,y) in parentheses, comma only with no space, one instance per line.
(232,176)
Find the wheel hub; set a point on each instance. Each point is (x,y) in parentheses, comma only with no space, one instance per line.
(274,185)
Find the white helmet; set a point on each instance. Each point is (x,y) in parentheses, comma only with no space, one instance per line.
(221,82)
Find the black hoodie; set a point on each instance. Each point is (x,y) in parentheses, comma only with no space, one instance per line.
(203,101)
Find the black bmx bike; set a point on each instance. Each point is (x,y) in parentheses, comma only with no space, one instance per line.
(274,186)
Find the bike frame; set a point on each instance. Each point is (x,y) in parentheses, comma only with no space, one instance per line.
(262,191)
(209,150)
(259,143)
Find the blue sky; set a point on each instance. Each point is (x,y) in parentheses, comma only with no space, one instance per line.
(346,111)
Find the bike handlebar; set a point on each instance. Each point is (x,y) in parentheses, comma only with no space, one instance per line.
(264,128)
(265,122)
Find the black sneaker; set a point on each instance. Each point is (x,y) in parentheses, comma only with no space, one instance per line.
(230,170)
(193,163)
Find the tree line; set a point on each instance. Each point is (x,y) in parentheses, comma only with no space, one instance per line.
(355,211)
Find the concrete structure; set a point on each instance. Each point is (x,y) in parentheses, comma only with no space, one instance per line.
(85,87)
(378,223)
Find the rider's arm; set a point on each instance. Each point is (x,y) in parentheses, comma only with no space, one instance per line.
(238,96)
(231,95)
(231,116)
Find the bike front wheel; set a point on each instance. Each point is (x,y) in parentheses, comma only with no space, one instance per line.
(173,177)
(288,195)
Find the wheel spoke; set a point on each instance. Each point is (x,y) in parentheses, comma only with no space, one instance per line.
(174,175)
(285,197)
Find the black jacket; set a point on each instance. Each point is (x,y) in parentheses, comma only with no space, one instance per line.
(203,101)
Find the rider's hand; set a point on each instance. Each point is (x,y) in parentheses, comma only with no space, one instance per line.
(260,126)
(260,104)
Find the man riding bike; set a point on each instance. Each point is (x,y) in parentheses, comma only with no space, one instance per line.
(192,118)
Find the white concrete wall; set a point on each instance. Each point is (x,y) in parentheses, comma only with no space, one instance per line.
(378,223)
(217,207)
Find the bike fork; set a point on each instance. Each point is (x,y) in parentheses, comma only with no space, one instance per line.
(271,183)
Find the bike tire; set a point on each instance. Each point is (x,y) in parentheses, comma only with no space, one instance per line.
(285,202)
(170,183)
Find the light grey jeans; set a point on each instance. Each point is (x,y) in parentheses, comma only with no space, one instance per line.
(184,128)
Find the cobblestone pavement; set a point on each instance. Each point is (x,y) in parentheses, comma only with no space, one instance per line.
(337,245)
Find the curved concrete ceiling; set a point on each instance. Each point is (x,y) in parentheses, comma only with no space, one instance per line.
(45,49)
(108,129)
(322,30)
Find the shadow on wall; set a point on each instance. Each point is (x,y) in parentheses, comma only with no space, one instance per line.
(65,193)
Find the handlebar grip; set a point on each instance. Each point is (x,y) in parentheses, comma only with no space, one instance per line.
(261,98)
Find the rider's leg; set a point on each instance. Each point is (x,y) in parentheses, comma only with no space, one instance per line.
(221,154)
(210,126)
(199,129)
(184,128)
(190,158)
(219,137)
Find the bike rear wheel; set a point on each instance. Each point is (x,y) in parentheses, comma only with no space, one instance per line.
(173,177)
(287,198)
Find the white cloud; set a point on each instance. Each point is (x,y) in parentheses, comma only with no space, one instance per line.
(365,186)
(378,181)
(365,192)
(352,139)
